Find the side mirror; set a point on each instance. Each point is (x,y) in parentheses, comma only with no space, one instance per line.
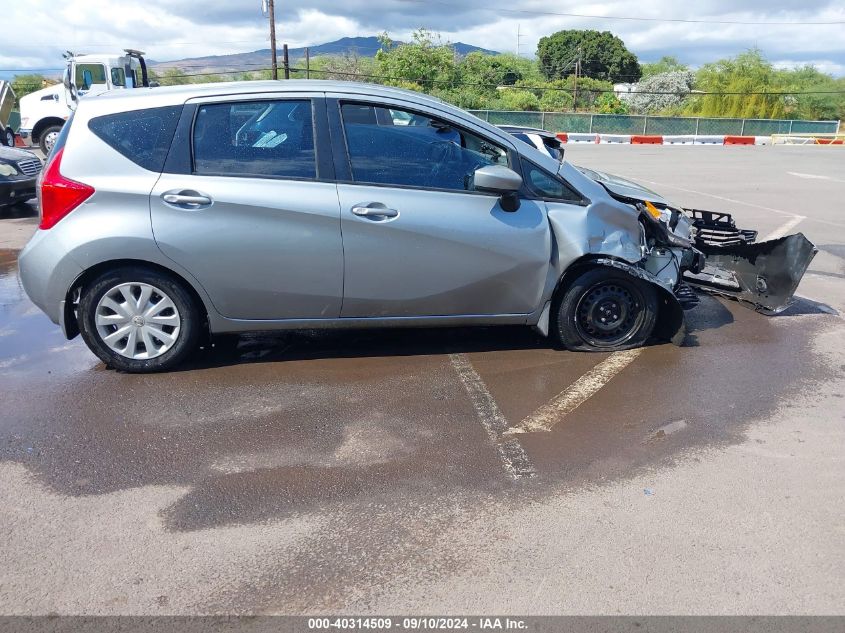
(501,180)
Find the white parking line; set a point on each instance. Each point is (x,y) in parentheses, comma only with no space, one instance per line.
(813,176)
(513,456)
(785,228)
(544,418)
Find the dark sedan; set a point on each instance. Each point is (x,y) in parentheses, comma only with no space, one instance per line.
(18,172)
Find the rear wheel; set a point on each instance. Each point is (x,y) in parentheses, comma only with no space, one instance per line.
(48,138)
(605,310)
(139,320)
(9,137)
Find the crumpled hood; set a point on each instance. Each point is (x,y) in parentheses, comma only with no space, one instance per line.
(623,187)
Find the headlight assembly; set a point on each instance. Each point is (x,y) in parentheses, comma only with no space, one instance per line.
(7,170)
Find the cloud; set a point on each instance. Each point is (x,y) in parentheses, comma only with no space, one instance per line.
(174,29)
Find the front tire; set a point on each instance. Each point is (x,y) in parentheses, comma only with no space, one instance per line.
(138,320)
(605,310)
(9,137)
(48,138)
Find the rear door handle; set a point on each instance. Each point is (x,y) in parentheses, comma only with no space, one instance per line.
(186,199)
(375,212)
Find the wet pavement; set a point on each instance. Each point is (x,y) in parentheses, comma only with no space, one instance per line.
(367,445)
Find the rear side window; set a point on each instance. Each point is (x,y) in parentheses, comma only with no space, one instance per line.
(143,136)
(259,138)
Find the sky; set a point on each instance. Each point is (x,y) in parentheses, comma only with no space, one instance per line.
(175,29)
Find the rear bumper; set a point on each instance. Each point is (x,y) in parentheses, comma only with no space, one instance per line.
(47,273)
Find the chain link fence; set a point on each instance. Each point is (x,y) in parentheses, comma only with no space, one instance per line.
(575,122)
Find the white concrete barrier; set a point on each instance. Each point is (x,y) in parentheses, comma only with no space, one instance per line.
(762,140)
(709,140)
(679,139)
(615,138)
(582,138)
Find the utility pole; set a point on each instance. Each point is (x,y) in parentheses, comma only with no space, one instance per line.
(307,64)
(271,10)
(577,72)
(286,61)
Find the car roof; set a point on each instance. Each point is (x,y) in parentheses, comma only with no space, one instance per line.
(521,129)
(177,94)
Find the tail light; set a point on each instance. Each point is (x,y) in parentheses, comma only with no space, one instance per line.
(60,195)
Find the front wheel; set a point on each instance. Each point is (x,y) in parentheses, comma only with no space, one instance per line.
(605,310)
(48,138)
(9,137)
(138,320)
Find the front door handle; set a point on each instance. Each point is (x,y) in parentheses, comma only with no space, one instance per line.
(186,199)
(375,212)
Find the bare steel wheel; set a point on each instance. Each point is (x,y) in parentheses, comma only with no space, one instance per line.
(604,309)
(138,320)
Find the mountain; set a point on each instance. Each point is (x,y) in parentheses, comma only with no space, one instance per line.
(364,46)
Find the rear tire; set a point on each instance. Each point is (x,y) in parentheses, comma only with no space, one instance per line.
(139,320)
(9,137)
(605,310)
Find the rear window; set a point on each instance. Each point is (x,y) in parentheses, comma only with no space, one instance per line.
(143,136)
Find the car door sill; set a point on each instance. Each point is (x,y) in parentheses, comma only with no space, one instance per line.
(221,324)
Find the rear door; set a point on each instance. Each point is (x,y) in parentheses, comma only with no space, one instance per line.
(252,210)
(418,240)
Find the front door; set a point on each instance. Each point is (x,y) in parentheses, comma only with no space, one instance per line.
(252,222)
(418,241)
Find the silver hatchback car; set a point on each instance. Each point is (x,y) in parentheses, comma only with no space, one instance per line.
(169,214)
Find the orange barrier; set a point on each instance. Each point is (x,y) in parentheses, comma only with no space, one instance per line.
(739,140)
(563,137)
(646,140)
(830,141)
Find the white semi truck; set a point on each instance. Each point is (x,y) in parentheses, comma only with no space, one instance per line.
(43,113)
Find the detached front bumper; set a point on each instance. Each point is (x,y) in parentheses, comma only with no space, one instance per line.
(763,274)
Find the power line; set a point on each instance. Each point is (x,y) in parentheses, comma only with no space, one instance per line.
(632,18)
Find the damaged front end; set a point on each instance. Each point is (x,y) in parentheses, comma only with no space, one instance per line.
(705,249)
(763,274)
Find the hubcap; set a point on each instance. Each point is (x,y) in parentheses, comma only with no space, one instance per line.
(50,140)
(137,320)
(608,314)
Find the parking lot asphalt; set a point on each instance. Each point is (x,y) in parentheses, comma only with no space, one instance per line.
(373,471)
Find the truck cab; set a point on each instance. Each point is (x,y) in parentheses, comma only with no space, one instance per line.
(43,113)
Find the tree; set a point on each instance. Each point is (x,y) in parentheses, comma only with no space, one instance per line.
(349,66)
(25,84)
(737,85)
(609,103)
(660,92)
(666,64)
(603,56)
(425,61)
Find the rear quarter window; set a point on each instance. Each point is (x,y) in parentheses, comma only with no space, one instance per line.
(142,136)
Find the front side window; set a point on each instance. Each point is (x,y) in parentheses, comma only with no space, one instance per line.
(261,138)
(395,147)
(89,74)
(545,185)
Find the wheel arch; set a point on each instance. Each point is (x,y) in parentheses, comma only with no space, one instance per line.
(670,325)
(70,324)
(43,124)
